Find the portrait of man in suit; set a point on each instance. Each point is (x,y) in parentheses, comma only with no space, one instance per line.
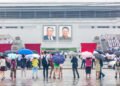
(49,33)
(65,33)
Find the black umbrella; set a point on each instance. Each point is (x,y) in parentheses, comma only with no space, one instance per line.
(8,52)
(99,56)
(117,53)
(99,51)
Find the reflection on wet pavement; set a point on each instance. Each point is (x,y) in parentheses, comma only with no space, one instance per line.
(67,80)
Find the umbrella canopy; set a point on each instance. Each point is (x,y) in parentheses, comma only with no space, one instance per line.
(8,52)
(117,53)
(58,59)
(31,56)
(99,56)
(12,56)
(25,51)
(87,54)
(1,54)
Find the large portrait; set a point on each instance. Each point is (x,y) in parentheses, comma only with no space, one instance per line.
(65,33)
(49,33)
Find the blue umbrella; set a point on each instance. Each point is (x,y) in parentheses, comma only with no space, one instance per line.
(58,59)
(25,51)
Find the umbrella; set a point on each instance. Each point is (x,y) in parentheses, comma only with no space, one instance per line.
(87,54)
(58,59)
(117,53)
(31,56)
(99,56)
(25,51)
(12,56)
(99,51)
(8,52)
(1,54)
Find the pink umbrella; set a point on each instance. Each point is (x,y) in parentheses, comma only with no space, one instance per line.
(87,54)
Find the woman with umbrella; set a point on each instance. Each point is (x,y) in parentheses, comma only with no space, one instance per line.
(99,64)
(88,62)
(58,59)
(24,52)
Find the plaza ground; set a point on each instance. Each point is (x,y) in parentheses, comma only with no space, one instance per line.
(67,80)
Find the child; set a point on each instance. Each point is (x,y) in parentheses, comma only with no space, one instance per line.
(13,69)
(88,64)
(35,66)
(117,68)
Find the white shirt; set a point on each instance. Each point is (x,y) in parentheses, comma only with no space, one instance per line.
(2,62)
(51,38)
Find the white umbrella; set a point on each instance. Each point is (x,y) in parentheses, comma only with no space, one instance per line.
(87,54)
(31,56)
(12,56)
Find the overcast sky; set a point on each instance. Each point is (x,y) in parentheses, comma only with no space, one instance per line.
(46,1)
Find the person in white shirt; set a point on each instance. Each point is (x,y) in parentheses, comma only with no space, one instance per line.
(2,67)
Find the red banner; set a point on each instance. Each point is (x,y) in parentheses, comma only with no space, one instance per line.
(35,47)
(5,47)
(88,47)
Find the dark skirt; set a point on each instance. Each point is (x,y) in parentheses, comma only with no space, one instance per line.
(88,70)
(3,68)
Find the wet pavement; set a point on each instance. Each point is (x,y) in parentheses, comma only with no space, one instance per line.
(67,80)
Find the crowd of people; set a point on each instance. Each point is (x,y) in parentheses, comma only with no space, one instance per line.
(55,69)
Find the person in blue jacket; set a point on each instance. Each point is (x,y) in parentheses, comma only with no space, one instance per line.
(74,62)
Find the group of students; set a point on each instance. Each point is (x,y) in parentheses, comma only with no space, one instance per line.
(56,69)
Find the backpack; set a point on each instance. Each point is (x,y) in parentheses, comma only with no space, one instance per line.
(13,64)
(44,61)
(88,62)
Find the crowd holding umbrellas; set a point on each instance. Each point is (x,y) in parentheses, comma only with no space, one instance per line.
(30,59)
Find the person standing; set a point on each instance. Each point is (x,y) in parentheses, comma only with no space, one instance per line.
(52,67)
(23,66)
(45,65)
(97,68)
(83,63)
(56,70)
(117,69)
(102,75)
(35,66)
(88,64)
(13,69)
(61,71)
(2,67)
(74,62)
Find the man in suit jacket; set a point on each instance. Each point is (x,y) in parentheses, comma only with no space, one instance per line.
(49,35)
